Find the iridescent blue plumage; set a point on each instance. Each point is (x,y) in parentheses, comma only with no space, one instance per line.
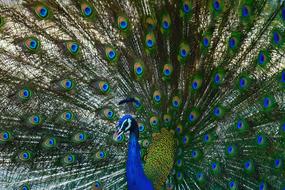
(135,174)
(136,178)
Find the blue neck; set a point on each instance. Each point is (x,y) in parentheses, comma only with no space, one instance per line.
(135,174)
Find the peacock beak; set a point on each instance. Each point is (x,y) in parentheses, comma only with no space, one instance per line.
(117,134)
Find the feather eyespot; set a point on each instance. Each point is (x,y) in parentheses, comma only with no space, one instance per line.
(278,163)
(123,23)
(153,121)
(80,137)
(97,185)
(156,97)
(25,94)
(249,167)
(215,168)
(150,23)
(67,116)
(150,42)
(263,186)
(179,129)
(193,116)
(141,127)
(167,119)
(138,69)
(24,156)
(5,136)
(231,151)
(137,104)
(218,112)
(245,11)
(217,5)
(282,14)
(25,187)
(169,186)
(111,54)
(35,120)
(165,24)
(206,138)
(167,71)
(232,42)
(87,10)
(109,113)
(242,82)
(32,44)
(196,83)
(185,8)
(263,58)
(49,143)
(179,176)
(67,84)
(119,139)
(206,42)
(185,140)
(268,103)
(260,140)
(176,102)
(72,47)
(218,77)
(104,87)
(233,185)
(101,155)
(42,11)
(277,37)
(69,159)
(184,52)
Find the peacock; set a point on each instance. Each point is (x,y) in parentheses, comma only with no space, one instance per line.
(142,94)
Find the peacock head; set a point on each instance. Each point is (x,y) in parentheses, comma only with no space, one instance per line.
(126,123)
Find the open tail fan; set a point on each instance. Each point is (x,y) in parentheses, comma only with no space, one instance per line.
(205,80)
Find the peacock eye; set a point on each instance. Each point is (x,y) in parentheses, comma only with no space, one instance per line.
(125,124)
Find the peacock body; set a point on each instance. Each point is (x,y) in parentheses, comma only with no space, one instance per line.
(207,80)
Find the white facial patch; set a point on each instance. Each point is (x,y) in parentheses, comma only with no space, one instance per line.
(129,124)
(122,125)
(120,130)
